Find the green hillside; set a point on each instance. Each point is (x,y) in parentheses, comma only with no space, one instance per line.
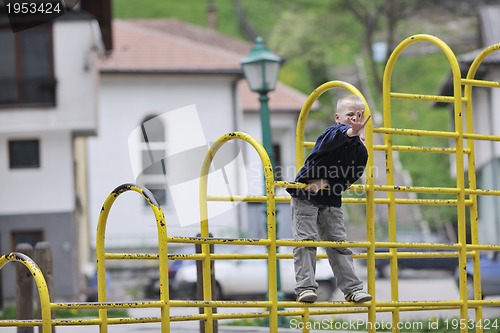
(335,36)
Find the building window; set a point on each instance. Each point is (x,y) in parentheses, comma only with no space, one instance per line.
(24,154)
(26,69)
(30,237)
(153,153)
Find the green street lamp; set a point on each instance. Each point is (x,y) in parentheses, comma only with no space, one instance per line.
(261,68)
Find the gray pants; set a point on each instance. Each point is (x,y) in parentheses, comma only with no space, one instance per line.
(310,222)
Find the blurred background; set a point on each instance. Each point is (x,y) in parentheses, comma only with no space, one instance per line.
(74,90)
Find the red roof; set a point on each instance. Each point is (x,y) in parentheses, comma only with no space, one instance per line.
(172,46)
(138,48)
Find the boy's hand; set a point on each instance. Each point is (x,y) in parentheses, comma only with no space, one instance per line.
(357,123)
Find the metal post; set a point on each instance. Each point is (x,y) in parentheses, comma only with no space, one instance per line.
(24,289)
(43,257)
(268,146)
(266,125)
(199,285)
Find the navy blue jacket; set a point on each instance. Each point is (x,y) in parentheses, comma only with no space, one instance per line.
(336,157)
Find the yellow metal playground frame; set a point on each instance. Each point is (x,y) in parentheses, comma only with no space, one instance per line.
(272,307)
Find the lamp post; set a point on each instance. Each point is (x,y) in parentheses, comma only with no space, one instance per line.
(261,68)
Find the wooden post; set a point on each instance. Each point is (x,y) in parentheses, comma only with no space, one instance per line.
(24,289)
(43,258)
(199,285)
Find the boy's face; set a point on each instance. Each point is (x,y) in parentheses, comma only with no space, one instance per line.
(346,117)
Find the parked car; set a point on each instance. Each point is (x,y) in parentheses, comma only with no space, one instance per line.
(248,277)
(152,287)
(438,263)
(490,275)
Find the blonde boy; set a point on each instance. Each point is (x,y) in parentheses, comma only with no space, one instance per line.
(337,160)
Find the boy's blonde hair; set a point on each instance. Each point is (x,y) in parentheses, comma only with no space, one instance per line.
(350,102)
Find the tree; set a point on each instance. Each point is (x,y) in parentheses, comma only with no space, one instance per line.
(375,16)
(298,35)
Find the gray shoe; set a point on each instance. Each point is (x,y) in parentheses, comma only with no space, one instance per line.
(358,296)
(308,296)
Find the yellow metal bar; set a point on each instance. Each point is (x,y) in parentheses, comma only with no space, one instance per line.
(473,213)
(391,206)
(41,286)
(404,131)
(461,196)
(417,189)
(305,319)
(289,184)
(311,243)
(105,305)
(132,256)
(309,144)
(162,253)
(484,302)
(238,198)
(469,81)
(387,255)
(301,145)
(271,224)
(483,247)
(306,108)
(439,150)
(383,188)
(228,304)
(483,137)
(420,97)
(479,83)
(401,245)
(214,240)
(458,135)
(402,201)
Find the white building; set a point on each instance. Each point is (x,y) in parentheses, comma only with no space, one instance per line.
(48,102)
(157,68)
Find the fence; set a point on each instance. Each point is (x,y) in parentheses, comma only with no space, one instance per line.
(273,308)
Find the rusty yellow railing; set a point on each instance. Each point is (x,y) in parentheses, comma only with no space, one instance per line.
(272,308)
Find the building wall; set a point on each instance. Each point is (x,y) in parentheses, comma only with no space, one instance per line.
(46,189)
(43,199)
(76,75)
(131,223)
(125,101)
(283,127)
(58,230)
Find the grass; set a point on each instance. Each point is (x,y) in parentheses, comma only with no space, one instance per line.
(191,11)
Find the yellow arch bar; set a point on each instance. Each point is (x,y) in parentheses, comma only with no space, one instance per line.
(271,224)
(370,203)
(41,285)
(162,252)
(469,128)
(306,108)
